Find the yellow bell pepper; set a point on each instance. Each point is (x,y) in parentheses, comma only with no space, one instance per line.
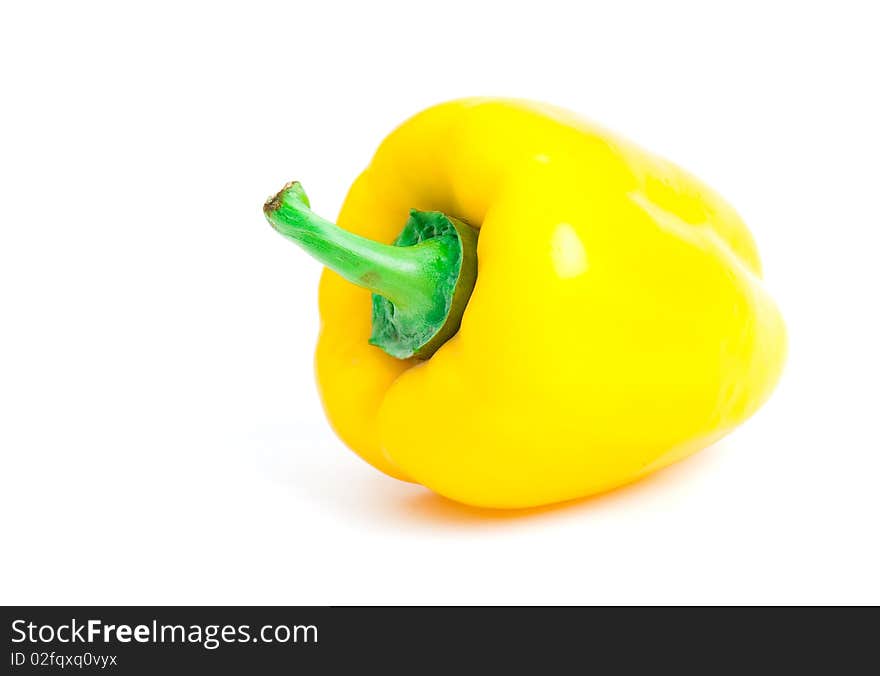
(564,313)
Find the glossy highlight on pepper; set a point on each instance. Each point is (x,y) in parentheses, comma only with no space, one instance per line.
(522,308)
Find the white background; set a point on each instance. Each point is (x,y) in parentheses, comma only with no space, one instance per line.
(161,436)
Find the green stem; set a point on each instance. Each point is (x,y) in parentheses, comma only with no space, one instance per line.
(421,284)
(397,273)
